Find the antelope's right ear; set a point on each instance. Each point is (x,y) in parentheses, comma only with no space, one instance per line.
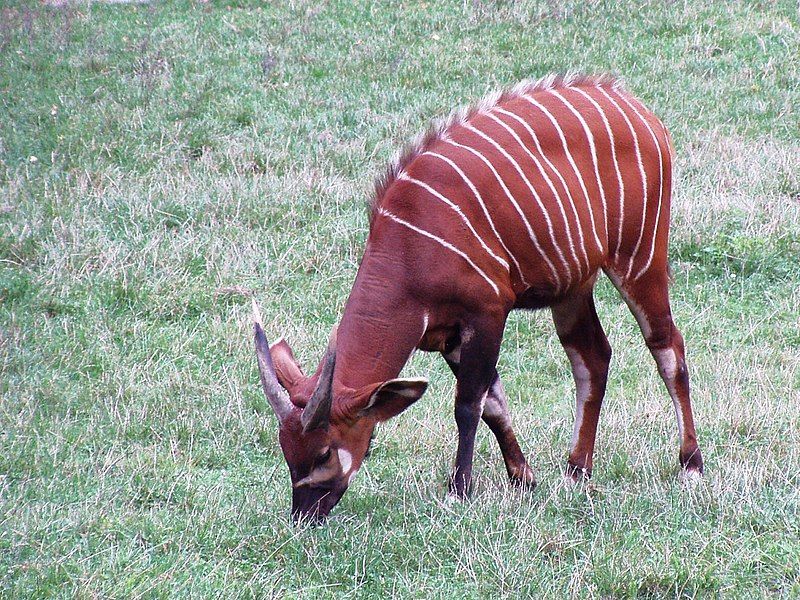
(289,373)
(392,397)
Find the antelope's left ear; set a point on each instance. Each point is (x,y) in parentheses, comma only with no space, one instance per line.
(392,397)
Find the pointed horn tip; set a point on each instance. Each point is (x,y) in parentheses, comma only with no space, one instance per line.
(332,338)
(256,314)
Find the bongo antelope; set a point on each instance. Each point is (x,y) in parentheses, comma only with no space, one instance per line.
(517,202)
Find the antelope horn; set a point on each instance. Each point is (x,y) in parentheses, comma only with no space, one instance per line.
(276,396)
(317,412)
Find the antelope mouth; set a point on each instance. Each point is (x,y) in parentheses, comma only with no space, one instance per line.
(313,505)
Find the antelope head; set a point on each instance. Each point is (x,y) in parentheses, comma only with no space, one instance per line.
(324,430)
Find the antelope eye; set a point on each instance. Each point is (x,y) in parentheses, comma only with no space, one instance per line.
(324,457)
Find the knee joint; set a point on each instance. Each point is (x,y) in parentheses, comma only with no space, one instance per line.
(661,337)
(467,412)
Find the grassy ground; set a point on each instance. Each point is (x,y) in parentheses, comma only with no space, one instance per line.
(153,158)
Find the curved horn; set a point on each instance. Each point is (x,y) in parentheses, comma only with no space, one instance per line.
(318,410)
(276,396)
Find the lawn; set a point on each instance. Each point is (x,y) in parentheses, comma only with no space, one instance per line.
(157,160)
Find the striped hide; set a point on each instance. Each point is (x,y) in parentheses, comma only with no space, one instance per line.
(541,186)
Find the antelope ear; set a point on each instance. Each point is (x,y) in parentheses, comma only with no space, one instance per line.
(392,397)
(289,373)
(291,376)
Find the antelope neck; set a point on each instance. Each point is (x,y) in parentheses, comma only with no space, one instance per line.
(380,327)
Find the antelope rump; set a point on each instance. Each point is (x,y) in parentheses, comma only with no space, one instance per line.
(517,202)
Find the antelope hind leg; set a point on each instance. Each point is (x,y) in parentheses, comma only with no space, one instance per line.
(648,300)
(589,353)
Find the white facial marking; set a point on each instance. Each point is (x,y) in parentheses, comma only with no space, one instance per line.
(345,459)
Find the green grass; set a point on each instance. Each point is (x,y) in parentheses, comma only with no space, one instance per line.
(156,158)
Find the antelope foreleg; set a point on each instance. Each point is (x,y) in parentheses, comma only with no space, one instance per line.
(498,418)
(480,346)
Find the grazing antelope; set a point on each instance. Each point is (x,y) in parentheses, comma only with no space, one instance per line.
(517,202)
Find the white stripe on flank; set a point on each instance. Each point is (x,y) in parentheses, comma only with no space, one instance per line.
(571,160)
(611,141)
(549,183)
(660,193)
(531,234)
(533,192)
(457,209)
(479,198)
(560,178)
(593,152)
(638,152)
(449,246)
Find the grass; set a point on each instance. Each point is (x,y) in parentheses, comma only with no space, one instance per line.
(155,158)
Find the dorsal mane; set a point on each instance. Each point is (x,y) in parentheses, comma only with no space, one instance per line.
(438,129)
